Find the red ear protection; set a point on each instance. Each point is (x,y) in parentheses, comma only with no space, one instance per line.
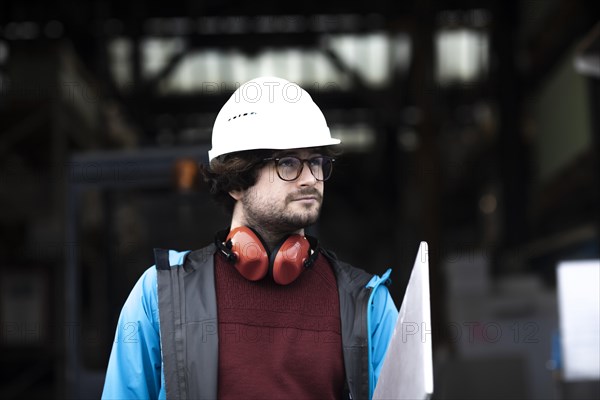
(290,258)
(251,258)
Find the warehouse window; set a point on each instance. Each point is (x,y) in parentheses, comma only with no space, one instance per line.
(119,51)
(461,56)
(462,46)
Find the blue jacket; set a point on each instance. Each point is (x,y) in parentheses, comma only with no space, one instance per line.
(136,367)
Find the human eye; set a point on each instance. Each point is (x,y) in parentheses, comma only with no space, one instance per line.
(316,161)
(288,162)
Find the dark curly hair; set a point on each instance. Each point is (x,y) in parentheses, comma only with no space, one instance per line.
(239,171)
(235,171)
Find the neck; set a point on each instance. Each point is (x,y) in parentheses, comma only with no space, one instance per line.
(270,237)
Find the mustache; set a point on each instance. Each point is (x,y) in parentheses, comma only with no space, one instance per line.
(305,193)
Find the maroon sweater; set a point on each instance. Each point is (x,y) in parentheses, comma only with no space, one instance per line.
(279,342)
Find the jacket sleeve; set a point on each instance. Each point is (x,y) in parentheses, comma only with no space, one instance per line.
(382,321)
(134,367)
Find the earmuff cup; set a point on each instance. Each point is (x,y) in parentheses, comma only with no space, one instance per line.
(248,253)
(290,259)
(251,257)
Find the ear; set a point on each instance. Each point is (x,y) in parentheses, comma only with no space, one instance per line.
(236,194)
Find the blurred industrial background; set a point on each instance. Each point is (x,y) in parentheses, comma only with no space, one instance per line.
(473,125)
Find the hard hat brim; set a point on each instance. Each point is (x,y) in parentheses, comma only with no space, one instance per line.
(214,153)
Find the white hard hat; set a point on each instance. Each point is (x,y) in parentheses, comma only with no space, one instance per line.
(269,113)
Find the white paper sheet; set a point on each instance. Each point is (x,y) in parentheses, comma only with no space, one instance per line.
(579,313)
(407,371)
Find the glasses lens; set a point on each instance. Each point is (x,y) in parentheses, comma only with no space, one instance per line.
(288,168)
(321,167)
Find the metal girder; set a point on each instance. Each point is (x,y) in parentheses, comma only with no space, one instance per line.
(563,27)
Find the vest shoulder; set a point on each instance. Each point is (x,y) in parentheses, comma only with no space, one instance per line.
(203,255)
(179,258)
(351,275)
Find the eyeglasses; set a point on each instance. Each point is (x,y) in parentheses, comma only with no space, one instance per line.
(289,168)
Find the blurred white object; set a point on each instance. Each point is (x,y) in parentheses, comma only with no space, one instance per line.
(407,372)
(579,315)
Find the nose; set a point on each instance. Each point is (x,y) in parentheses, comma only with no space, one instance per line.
(306,177)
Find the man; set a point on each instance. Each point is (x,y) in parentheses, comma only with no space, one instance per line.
(263,312)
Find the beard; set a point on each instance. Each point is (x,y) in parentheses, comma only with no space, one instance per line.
(281,217)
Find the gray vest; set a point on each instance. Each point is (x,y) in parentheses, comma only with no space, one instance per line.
(188,324)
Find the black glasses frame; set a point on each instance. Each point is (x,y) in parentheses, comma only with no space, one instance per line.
(302,162)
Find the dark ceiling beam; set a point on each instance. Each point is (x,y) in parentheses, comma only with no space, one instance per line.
(270,7)
(564,26)
(213,98)
(150,86)
(249,42)
(336,60)
(145,99)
